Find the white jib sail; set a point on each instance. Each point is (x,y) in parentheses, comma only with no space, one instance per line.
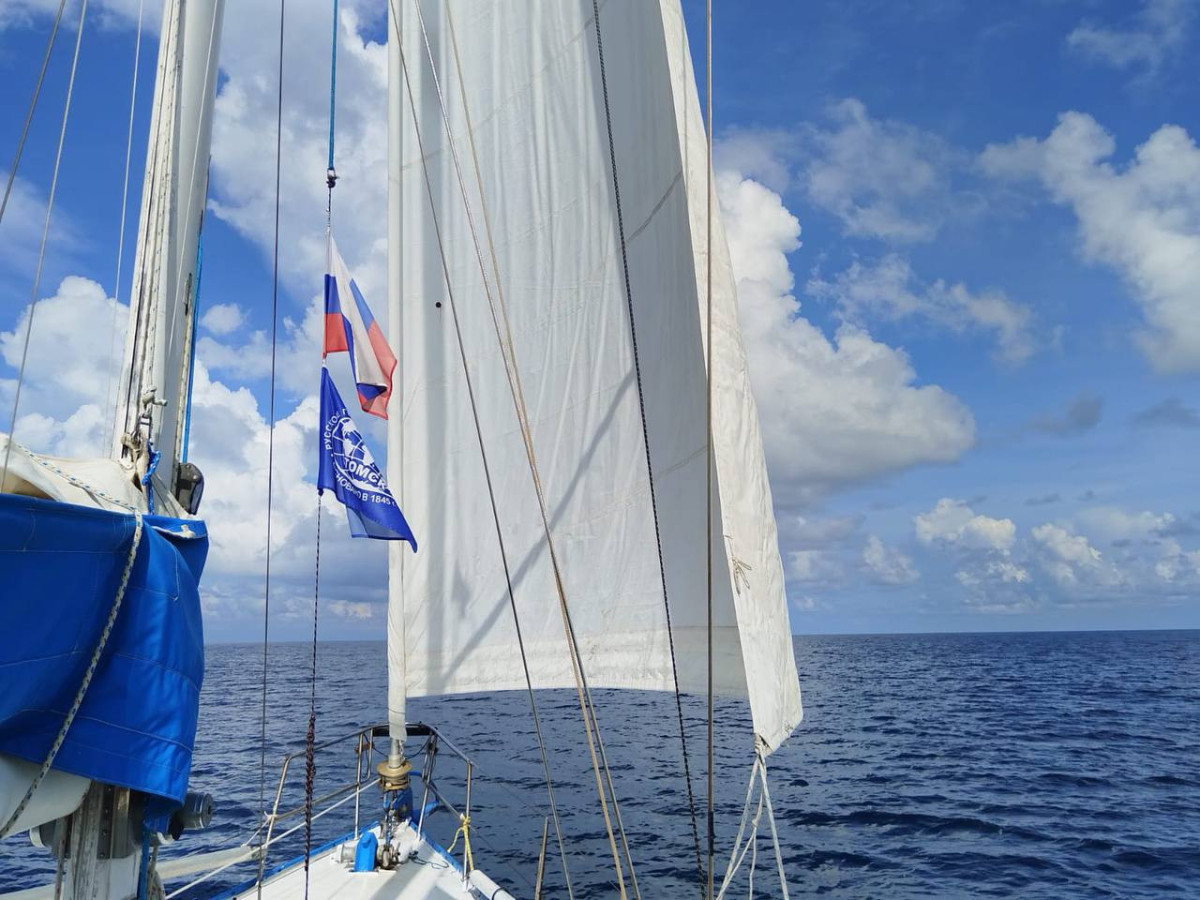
(536,162)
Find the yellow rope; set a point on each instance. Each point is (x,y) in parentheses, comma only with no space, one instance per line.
(464,831)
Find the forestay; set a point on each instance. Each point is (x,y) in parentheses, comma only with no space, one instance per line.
(539,181)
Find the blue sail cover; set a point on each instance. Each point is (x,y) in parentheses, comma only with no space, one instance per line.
(60,568)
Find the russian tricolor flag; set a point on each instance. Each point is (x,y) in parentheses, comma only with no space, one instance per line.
(350,326)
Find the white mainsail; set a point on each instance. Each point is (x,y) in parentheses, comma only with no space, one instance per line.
(538,174)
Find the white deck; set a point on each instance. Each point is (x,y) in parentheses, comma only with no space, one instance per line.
(428,875)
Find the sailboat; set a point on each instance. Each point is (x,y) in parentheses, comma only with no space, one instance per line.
(102,654)
(574,436)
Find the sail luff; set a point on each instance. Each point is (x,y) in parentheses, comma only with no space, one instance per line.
(750,534)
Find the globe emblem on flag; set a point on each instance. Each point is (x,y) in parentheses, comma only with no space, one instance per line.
(352,461)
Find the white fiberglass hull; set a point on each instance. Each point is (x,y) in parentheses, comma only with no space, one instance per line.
(429,873)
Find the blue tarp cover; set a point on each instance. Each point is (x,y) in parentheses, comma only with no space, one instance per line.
(60,568)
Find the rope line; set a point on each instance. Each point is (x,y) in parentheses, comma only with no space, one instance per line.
(464,831)
(587,705)
(33,101)
(87,676)
(637,368)
(145,280)
(310,740)
(474,408)
(183,401)
(708,415)
(77,482)
(503,306)
(37,278)
(262,783)
(758,777)
(108,436)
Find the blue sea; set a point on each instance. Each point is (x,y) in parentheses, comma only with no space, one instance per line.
(1033,765)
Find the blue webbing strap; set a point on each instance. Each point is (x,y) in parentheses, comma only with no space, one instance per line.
(332,82)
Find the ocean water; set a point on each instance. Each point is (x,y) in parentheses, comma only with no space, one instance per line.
(1048,765)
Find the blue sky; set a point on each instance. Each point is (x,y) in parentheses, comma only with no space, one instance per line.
(990,341)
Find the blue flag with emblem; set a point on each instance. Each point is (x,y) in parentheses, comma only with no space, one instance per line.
(348,469)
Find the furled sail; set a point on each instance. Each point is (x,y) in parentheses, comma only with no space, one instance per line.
(97,597)
(521,85)
(162,308)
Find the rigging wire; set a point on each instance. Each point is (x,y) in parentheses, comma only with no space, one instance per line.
(310,738)
(708,467)
(487,224)
(110,436)
(262,780)
(482,449)
(637,368)
(183,401)
(33,101)
(145,280)
(486,467)
(587,705)
(37,278)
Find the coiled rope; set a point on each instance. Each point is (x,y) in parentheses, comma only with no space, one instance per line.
(87,677)
(464,831)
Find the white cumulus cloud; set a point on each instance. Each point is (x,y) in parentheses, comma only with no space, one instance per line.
(1142,219)
(882,179)
(887,564)
(889,289)
(1152,35)
(71,369)
(954,522)
(223,318)
(834,411)
(1072,561)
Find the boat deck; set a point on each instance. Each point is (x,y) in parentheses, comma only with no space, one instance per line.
(429,874)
